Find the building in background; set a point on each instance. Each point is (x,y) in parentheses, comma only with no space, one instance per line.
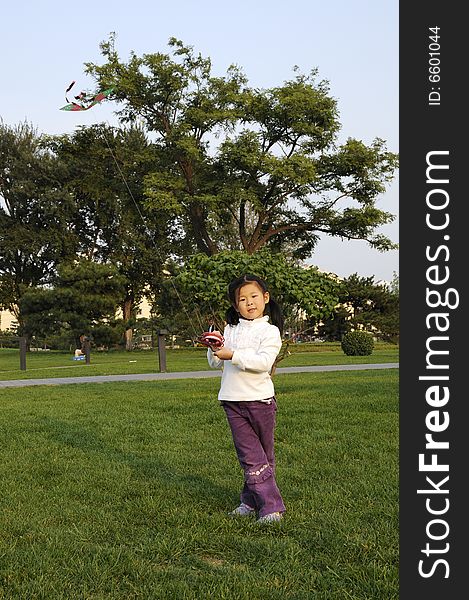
(6,320)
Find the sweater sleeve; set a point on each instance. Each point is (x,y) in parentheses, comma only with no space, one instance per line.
(258,361)
(213,361)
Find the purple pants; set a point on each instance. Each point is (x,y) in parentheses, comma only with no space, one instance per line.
(252,425)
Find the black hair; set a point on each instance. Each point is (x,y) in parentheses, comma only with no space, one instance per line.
(271,308)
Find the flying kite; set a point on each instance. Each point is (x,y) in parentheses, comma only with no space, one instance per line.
(84,101)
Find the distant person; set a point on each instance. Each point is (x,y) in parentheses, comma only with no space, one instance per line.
(211,324)
(252,343)
(82,350)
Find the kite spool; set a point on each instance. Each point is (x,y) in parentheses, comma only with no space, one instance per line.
(211,339)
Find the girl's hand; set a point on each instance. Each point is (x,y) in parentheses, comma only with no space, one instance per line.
(223,353)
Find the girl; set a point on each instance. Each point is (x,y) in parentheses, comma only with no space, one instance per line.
(252,344)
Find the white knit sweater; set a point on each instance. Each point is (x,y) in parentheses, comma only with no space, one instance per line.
(255,346)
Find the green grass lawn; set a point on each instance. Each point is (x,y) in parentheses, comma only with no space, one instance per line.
(60,364)
(120,491)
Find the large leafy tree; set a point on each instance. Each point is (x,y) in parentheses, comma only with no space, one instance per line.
(106,168)
(34,215)
(201,288)
(248,168)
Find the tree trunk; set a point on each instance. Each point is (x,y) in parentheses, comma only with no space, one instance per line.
(203,240)
(127,314)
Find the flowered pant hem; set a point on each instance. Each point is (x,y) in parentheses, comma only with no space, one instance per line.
(252,426)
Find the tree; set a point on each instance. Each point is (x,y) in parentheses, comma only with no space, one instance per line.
(106,168)
(376,306)
(263,163)
(201,286)
(83,298)
(365,304)
(334,327)
(34,215)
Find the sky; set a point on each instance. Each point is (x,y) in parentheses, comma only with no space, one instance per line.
(352,43)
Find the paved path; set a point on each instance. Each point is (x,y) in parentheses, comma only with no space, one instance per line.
(182,375)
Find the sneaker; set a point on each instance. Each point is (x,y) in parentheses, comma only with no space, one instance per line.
(243,510)
(270,518)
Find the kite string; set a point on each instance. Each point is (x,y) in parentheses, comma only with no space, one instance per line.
(284,352)
(147,231)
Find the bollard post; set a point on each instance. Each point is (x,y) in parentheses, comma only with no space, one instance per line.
(162,349)
(87,347)
(23,345)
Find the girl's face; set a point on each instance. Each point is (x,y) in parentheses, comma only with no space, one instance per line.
(251,300)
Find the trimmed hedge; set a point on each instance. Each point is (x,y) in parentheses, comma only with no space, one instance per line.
(357,343)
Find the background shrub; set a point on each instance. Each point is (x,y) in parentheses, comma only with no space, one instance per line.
(357,343)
